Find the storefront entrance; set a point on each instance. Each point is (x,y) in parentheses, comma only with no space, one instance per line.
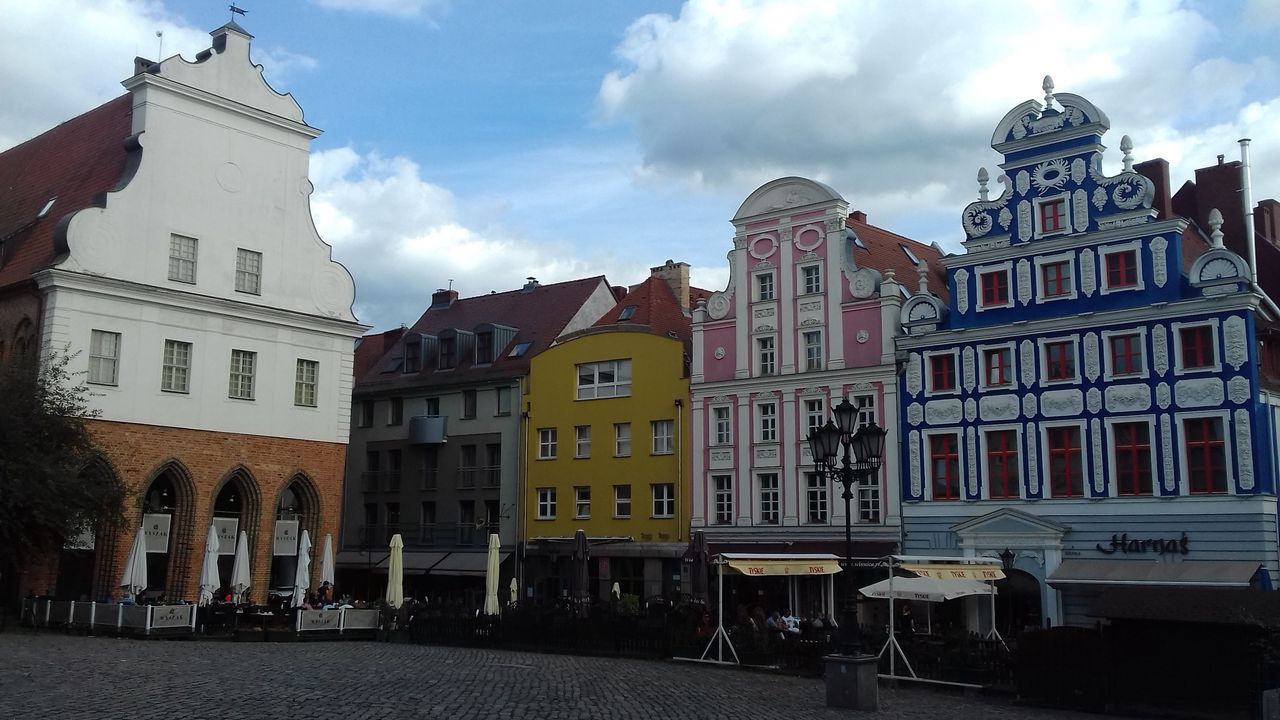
(1018,603)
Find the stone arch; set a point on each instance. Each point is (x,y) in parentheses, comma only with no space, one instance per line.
(297,499)
(24,338)
(182,525)
(304,489)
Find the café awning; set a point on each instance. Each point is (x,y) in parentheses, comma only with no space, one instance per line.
(1187,573)
(465,564)
(954,572)
(782,564)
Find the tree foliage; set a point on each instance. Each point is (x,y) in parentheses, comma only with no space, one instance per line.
(53,483)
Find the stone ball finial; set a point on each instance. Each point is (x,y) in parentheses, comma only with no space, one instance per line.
(1215,222)
(923,269)
(1047,86)
(983,177)
(1126,147)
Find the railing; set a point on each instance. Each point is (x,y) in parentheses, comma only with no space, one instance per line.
(492,476)
(467,478)
(428,429)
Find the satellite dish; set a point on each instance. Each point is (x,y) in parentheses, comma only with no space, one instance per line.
(480,523)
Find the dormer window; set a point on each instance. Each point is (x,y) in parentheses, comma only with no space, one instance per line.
(413,355)
(1051,216)
(448,358)
(484,348)
(519,350)
(626,313)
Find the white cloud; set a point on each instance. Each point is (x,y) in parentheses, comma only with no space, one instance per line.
(394,8)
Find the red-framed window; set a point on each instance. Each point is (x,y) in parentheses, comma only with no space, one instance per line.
(1060,360)
(942,368)
(1066,474)
(1126,354)
(997,364)
(1055,278)
(1002,464)
(944,455)
(1197,347)
(1053,215)
(1206,455)
(995,287)
(1133,458)
(1122,269)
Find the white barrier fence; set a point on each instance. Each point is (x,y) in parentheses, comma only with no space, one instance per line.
(144,619)
(337,620)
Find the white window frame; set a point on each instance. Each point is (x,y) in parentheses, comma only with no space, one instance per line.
(1228,449)
(547,443)
(502,401)
(619,387)
(104,363)
(245,259)
(983,383)
(984,484)
(664,500)
(662,433)
(777,498)
(821,491)
(546,503)
(1040,261)
(1040,232)
(175,370)
(813,351)
(1176,328)
(926,456)
(582,441)
(306,383)
(622,439)
(805,274)
(1113,480)
(772,354)
(815,411)
(867,413)
(619,500)
(235,390)
(722,424)
(722,498)
(1042,360)
(928,371)
(1108,372)
(178,260)
(1135,247)
(582,502)
(758,286)
(1005,267)
(1086,457)
(767,423)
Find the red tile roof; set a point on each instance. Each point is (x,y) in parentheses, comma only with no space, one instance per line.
(539,315)
(884,250)
(374,346)
(656,308)
(76,162)
(696,294)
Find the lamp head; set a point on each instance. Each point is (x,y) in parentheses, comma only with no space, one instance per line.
(846,414)
(824,443)
(868,444)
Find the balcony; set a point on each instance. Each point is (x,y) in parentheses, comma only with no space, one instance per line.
(491,476)
(428,429)
(467,478)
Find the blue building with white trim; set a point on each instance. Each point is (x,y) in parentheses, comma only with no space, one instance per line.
(1087,402)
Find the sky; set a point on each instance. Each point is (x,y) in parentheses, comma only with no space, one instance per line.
(474,144)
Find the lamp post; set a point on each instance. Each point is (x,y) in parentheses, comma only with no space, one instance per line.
(863,450)
(1007,559)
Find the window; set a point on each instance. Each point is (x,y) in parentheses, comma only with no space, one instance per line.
(582,445)
(768,417)
(816,496)
(815,415)
(395,460)
(413,355)
(723,426)
(175,375)
(241,384)
(611,378)
(869,503)
(484,347)
(393,513)
(942,372)
(1122,269)
(997,367)
(664,500)
(1002,464)
(248,271)
(944,459)
(1206,455)
(1066,474)
(468,404)
(1052,216)
(1055,279)
(546,443)
(1060,361)
(811,279)
(1132,458)
(769,503)
(622,501)
(520,349)
(546,503)
(502,401)
(582,502)
(432,406)
(722,486)
(104,357)
(492,470)
(366,413)
(995,288)
(764,286)
(765,346)
(304,383)
(428,517)
(661,430)
(182,259)
(866,405)
(627,312)
(447,347)
(622,439)
(813,350)
(1197,347)
(430,468)
(395,411)
(1126,354)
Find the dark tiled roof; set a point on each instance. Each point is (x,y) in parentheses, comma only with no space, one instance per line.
(539,316)
(656,308)
(76,162)
(884,250)
(372,347)
(696,294)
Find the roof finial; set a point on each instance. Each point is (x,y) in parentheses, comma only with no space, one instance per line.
(923,269)
(1215,222)
(1047,86)
(236,11)
(1126,147)
(982,183)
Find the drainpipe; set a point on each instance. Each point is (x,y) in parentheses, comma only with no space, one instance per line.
(679,468)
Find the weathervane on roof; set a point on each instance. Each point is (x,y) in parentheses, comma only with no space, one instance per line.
(237,11)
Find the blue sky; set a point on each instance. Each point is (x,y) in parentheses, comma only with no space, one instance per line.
(484,142)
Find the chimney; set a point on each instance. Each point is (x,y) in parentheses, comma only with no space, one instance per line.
(677,276)
(1266,220)
(443,298)
(1157,171)
(858,216)
(619,292)
(531,284)
(1219,186)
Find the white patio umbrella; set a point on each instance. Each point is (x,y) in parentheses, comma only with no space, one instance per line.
(491,577)
(326,561)
(616,590)
(925,589)
(209,578)
(240,576)
(515,591)
(395,572)
(134,579)
(302,578)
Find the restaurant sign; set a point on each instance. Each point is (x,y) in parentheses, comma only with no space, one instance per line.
(943,571)
(171,616)
(762,567)
(226,529)
(155,528)
(286,542)
(319,620)
(1122,543)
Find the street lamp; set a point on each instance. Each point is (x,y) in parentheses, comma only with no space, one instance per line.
(863,453)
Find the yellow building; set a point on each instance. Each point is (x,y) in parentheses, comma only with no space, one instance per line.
(607,448)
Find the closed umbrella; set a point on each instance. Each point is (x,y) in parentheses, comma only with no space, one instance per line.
(302,578)
(210,581)
(581,577)
(395,572)
(700,558)
(240,576)
(515,592)
(326,561)
(491,576)
(134,579)
(616,591)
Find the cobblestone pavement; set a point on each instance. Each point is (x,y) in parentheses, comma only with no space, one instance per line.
(51,675)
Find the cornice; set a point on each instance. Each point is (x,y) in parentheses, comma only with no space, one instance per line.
(218,101)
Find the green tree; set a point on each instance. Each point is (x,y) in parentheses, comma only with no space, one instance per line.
(52,484)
